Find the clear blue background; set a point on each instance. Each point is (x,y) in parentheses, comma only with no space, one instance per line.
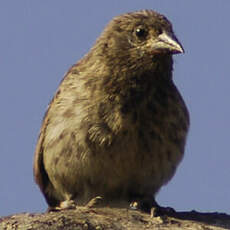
(40,40)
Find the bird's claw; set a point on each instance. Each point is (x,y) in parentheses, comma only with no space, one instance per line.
(94,202)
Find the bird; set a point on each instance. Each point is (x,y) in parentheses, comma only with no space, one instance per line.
(117,125)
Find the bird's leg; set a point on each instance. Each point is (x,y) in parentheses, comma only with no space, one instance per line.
(150,205)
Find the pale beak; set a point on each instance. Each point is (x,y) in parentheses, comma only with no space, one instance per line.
(168,43)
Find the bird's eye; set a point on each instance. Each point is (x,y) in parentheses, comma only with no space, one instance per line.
(141,32)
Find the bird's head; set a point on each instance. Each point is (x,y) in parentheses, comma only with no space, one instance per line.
(137,40)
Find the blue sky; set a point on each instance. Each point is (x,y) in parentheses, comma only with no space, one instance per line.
(40,40)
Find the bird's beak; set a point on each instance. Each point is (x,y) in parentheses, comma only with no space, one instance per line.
(168,43)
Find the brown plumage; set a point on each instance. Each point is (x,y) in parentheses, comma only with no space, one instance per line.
(117,126)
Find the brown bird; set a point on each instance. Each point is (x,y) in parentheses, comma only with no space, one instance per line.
(117,126)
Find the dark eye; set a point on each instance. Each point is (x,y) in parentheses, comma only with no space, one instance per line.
(141,32)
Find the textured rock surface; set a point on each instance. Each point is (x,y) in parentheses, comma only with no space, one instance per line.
(112,218)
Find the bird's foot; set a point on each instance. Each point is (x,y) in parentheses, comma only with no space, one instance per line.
(151,206)
(94,202)
(161,211)
(64,205)
(67,204)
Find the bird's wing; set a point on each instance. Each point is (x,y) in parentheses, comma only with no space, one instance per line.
(40,174)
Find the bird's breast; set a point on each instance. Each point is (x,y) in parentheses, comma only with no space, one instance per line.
(147,145)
